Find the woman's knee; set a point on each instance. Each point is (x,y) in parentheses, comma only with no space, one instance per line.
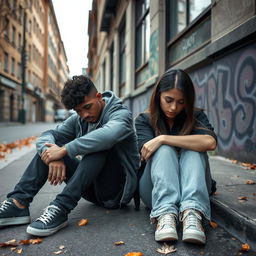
(191,154)
(193,157)
(165,150)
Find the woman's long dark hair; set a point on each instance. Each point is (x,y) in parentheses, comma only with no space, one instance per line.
(173,79)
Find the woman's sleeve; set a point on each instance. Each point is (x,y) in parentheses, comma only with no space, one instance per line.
(202,125)
(144,129)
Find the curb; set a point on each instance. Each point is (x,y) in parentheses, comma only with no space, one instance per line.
(239,226)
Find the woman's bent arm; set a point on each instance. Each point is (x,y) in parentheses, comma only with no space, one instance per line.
(196,142)
(200,143)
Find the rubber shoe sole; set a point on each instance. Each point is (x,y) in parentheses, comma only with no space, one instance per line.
(14,221)
(168,235)
(194,238)
(45,232)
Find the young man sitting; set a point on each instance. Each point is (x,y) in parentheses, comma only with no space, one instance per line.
(94,152)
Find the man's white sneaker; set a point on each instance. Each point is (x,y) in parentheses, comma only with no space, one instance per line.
(193,231)
(166,228)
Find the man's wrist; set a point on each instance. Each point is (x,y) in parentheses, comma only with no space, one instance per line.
(64,150)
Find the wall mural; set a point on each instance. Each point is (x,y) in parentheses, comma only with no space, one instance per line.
(227,91)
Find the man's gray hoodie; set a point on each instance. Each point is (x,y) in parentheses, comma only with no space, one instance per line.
(114,129)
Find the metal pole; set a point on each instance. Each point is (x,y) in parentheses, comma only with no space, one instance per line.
(23,71)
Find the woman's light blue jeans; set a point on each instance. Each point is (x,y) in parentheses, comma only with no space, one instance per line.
(173,182)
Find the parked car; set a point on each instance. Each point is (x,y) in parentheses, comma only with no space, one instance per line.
(61,114)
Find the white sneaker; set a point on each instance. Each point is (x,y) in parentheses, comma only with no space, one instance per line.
(166,228)
(193,231)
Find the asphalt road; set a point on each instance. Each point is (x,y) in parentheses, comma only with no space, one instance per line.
(105,227)
(12,132)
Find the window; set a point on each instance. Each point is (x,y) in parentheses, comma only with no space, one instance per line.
(20,13)
(122,59)
(104,76)
(29,26)
(142,32)
(13,36)
(180,13)
(29,52)
(6,29)
(19,42)
(19,71)
(6,62)
(13,67)
(29,76)
(112,67)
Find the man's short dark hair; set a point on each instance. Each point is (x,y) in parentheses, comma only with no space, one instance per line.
(75,89)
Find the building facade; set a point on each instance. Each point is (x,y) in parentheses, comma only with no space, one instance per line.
(33,63)
(131,43)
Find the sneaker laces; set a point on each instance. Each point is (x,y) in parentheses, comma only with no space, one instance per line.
(192,218)
(167,219)
(49,213)
(4,205)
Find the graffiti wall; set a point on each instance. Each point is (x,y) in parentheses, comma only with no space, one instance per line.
(227,91)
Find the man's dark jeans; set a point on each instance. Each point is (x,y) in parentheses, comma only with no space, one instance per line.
(98,177)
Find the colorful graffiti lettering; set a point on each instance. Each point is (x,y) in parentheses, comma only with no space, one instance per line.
(227,91)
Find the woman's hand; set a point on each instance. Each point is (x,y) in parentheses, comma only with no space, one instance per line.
(150,147)
(57,172)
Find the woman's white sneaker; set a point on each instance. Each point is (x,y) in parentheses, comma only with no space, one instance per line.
(166,228)
(193,231)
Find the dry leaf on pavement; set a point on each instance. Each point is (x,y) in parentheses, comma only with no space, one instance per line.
(31,241)
(249,166)
(9,243)
(250,182)
(58,252)
(166,249)
(19,251)
(82,222)
(242,198)
(134,254)
(213,224)
(119,243)
(245,248)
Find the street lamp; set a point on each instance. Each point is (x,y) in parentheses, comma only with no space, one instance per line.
(23,71)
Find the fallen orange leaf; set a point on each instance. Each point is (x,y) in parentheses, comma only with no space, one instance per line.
(19,251)
(245,247)
(119,243)
(31,241)
(249,165)
(58,252)
(250,182)
(166,249)
(213,224)
(243,198)
(134,254)
(82,222)
(9,243)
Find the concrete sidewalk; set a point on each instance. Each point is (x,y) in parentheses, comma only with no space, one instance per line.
(133,227)
(234,204)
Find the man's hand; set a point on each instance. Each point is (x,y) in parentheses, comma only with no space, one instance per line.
(57,172)
(53,153)
(150,147)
